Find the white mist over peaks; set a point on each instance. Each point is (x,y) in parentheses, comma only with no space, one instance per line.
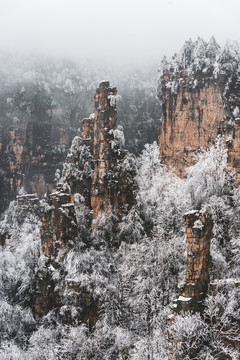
(118,33)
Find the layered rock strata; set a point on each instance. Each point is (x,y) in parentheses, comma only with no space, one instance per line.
(105,115)
(59,224)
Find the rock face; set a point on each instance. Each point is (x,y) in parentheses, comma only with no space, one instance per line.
(192,119)
(105,195)
(199,91)
(198,239)
(97,178)
(96,172)
(45,296)
(105,120)
(59,224)
(34,137)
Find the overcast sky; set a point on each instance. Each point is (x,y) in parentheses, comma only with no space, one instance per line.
(117,31)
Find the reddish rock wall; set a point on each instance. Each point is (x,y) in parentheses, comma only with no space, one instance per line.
(198,239)
(105,118)
(109,193)
(191,120)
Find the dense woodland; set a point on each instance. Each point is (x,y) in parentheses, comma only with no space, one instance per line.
(134,269)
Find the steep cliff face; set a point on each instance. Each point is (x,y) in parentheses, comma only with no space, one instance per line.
(192,119)
(30,152)
(58,224)
(199,93)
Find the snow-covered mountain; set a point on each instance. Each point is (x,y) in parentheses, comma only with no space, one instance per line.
(125,259)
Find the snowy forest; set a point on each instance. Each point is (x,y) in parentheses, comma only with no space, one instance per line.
(132,263)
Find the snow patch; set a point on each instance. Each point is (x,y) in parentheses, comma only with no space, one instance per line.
(183,298)
(198,224)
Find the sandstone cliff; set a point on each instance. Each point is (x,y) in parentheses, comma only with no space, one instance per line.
(192,119)
(199,93)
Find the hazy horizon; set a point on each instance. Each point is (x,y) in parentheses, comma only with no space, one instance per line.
(119,34)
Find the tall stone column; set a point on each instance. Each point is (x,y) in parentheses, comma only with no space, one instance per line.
(105,117)
(95,179)
(198,239)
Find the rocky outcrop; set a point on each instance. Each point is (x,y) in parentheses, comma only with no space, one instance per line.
(97,171)
(199,91)
(198,239)
(108,192)
(191,121)
(97,178)
(59,225)
(105,121)
(28,200)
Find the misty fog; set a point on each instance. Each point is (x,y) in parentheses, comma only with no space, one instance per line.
(117,33)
